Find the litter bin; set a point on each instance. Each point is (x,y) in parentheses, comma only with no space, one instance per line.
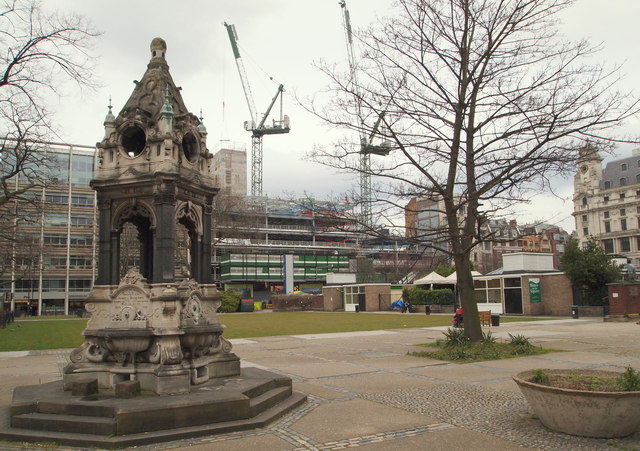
(357,308)
(246,305)
(575,314)
(495,319)
(427,310)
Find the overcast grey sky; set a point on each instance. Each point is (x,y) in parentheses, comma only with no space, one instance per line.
(279,39)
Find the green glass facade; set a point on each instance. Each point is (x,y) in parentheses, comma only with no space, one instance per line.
(265,267)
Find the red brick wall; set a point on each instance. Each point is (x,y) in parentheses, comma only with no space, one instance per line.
(624,298)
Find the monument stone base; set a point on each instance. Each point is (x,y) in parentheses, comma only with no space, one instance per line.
(157,378)
(48,413)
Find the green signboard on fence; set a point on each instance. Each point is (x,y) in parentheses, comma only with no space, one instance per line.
(534,290)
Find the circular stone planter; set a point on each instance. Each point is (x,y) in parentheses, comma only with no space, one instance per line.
(583,413)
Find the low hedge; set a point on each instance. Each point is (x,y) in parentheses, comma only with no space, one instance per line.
(418,296)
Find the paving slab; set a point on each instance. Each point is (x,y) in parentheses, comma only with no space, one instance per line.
(9,382)
(342,420)
(446,440)
(526,363)
(262,442)
(379,383)
(320,370)
(395,362)
(279,360)
(583,357)
(460,372)
(342,335)
(319,389)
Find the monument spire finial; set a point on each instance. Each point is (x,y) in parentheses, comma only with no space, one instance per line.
(158,48)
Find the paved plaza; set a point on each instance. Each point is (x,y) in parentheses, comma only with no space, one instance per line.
(365,392)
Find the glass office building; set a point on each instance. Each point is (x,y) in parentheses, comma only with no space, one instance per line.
(51,269)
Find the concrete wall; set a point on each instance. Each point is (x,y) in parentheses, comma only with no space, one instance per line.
(555,293)
(528,261)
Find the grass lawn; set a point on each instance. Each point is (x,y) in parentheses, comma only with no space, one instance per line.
(25,335)
(31,334)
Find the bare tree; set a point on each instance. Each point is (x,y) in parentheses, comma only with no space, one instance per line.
(39,53)
(480,102)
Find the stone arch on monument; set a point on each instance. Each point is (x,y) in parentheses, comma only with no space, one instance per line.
(140,214)
(190,216)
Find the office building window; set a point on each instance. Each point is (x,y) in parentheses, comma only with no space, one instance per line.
(82,200)
(625,244)
(81,220)
(59,167)
(55,198)
(608,246)
(81,170)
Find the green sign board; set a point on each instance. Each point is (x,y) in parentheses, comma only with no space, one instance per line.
(534,290)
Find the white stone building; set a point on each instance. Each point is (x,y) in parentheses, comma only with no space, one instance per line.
(607,203)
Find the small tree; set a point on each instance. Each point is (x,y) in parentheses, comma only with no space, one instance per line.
(590,270)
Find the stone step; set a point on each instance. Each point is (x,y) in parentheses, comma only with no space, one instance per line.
(84,440)
(268,399)
(65,423)
(76,409)
(260,389)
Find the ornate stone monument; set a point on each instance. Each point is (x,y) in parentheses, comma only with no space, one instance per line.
(154,173)
(151,336)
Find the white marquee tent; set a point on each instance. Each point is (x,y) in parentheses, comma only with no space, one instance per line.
(432,279)
(452,278)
